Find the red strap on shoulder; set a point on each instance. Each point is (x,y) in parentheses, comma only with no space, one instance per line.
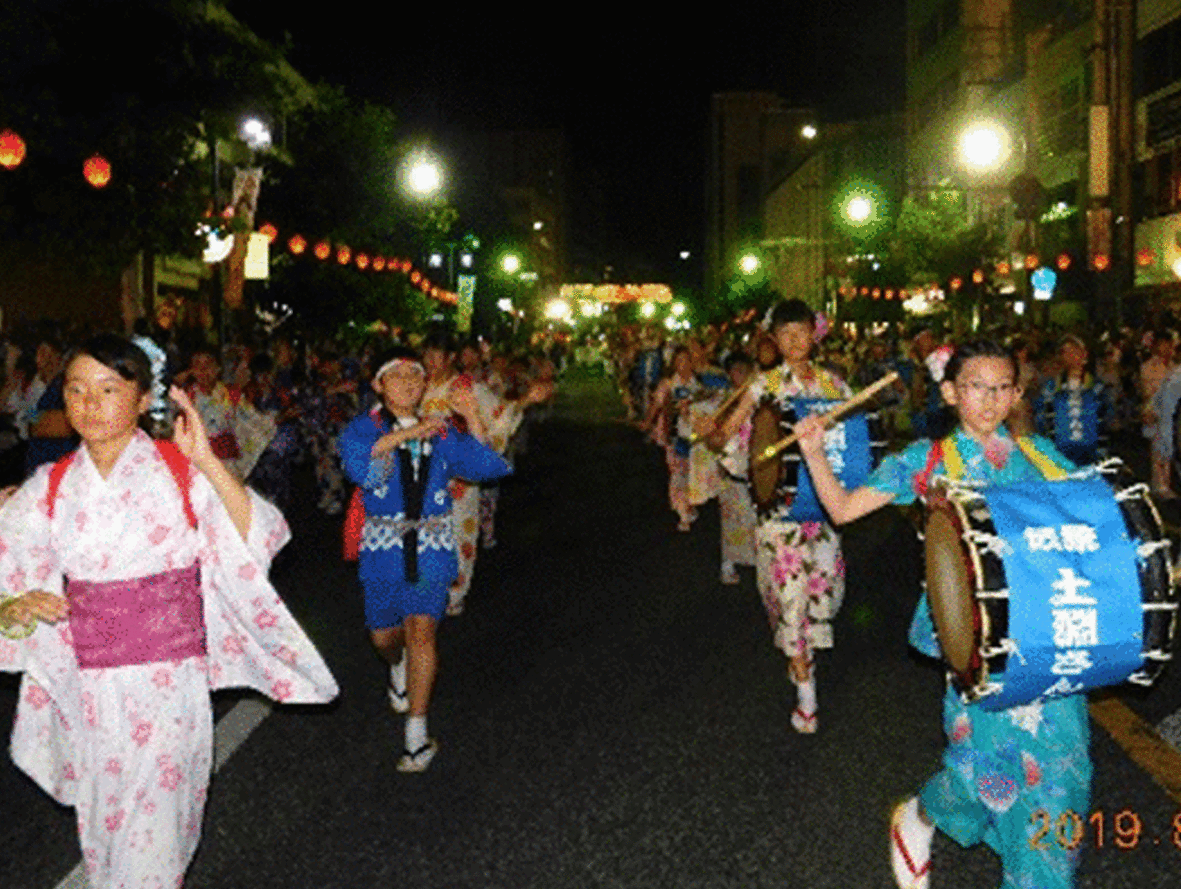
(56,474)
(176,462)
(922,481)
(178,465)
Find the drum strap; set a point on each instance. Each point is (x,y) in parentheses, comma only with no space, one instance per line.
(953,463)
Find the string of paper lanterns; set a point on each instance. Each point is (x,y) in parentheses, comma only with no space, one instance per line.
(324,250)
(96,169)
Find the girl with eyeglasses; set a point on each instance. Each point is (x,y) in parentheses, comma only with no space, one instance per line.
(999,768)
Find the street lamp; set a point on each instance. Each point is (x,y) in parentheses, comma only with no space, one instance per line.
(255,133)
(510,263)
(749,264)
(984,146)
(423,176)
(858,209)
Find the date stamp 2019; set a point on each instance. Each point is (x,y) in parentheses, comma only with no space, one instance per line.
(1122,830)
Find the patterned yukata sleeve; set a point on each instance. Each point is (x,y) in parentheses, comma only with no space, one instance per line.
(898,474)
(27,560)
(48,709)
(253,641)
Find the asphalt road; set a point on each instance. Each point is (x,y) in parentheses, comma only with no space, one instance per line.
(609,715)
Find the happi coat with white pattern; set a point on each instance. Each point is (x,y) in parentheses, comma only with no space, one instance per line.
(130,747)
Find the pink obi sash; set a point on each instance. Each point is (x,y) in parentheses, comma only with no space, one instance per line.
(139,621)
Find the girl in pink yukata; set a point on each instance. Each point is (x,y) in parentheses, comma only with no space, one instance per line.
(134,578)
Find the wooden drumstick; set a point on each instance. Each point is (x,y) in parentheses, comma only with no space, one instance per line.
(726,405)
(833,415)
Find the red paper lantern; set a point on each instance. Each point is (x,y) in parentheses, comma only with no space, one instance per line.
(889,294)
(415,276)
(97,171)
(1145,257)
(978,276)
(297,244)
(425,286)
(323,250)
(12,150)
(378,263)
(957,283)
(902,294)
(865,291)
(343,254)
(1101,262)
(362,261)
(1032,261)
(1063,261)
(270,231)
(1002,268)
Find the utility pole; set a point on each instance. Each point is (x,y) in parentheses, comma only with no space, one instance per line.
(1110,226)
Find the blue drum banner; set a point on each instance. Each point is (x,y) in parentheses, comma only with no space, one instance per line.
(847,447)
(1075,617)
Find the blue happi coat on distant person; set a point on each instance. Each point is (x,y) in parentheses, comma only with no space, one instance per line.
(1074,417)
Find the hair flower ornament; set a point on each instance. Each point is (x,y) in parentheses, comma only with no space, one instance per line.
(937,362)
(820,327)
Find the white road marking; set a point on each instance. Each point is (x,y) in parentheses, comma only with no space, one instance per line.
(228,735)
(1170,729)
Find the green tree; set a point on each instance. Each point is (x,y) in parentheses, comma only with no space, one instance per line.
(145,84)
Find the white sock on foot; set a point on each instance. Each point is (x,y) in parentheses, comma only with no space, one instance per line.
(807,695)
(398,675)
(415,733)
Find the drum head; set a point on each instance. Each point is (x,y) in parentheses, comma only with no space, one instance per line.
(765,475)
(949,589)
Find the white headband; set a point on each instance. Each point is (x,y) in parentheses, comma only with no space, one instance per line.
(394,362)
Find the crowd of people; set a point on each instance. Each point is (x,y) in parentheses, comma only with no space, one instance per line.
(1011,409)
(148,478)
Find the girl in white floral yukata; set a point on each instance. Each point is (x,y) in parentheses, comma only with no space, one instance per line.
(799,568)
(134,577)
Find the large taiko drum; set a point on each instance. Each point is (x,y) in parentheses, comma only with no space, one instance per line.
(783,482)
(1044,589)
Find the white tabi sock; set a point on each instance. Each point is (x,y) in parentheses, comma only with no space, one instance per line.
(415,733)
(807,695)
(398,675)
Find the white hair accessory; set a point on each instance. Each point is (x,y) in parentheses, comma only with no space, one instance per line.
(937,362)
(394,362)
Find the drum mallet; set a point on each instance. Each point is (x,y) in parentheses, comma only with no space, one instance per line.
(833,415)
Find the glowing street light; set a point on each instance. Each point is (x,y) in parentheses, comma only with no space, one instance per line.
(255,133)
(510,263)
(424,176)
(749,264)
(808,132)
(557,310)
(858,209)
(984,146)
(677,309)
(648,310)
(505,304)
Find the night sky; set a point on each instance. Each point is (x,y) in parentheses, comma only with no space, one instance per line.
(629,84)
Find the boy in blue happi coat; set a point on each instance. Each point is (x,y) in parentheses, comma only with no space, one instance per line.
(407,558)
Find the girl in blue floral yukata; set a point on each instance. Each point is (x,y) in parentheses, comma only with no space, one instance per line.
(1000,769)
